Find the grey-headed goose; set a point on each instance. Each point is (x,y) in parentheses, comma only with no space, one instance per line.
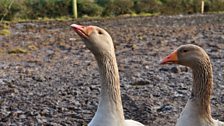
(110,110)
(197,111)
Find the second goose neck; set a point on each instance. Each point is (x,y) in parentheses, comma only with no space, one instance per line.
(202,87)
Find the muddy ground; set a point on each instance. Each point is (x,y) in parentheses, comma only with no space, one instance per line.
(48,77)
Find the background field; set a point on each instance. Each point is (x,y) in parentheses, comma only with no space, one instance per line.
(38,9)
(48,77)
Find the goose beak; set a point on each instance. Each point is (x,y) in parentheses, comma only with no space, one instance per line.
(170,59)
(82,31)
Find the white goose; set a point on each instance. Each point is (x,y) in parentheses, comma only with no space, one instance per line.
(197,111)
(110,110)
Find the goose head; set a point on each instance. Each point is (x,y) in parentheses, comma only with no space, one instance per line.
(96,39)
(188,55)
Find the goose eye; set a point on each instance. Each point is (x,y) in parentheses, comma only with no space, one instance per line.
(185,51)
(100,32)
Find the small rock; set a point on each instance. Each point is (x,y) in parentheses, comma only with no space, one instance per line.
(165,108)
(45,112)
(175,69)
(22,116)
(183,69)
(133,46)
(147,67)
(4,66)
(38,78)
(163,69)
(141,82)
(2,81)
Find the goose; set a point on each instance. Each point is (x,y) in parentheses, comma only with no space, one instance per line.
(110,110)
(197,111)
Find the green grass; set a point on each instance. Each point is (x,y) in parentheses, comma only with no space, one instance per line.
(64,18)
(4,29)
(216,12)
(69,18)
(18,51)
(5,32)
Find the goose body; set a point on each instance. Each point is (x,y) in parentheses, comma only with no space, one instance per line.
(110,110)
(190,117)
(197,111)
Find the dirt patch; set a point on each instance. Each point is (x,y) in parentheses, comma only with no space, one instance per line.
(56,81)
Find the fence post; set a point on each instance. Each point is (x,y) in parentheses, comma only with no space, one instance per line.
(74,4)
(202,6)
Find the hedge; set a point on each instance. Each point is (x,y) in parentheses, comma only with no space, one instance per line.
(34,9)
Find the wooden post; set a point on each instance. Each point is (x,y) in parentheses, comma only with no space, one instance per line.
(202,6)
(75,14)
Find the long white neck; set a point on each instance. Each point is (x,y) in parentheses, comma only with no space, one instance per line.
(110,110)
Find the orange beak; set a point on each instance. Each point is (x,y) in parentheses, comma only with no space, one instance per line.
(82,31)
(171,58)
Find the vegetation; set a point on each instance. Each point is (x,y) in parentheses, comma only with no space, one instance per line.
(86,8)
(4,29)
(34,9)
(17,50)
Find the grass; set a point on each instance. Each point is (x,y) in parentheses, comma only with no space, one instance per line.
(5,32)
(67,18)
(18,50)
(148,14)
(4,29)
(218,12)
(63,18)
(32,47)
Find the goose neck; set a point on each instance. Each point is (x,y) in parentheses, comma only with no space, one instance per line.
(110,86)
(202,88)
